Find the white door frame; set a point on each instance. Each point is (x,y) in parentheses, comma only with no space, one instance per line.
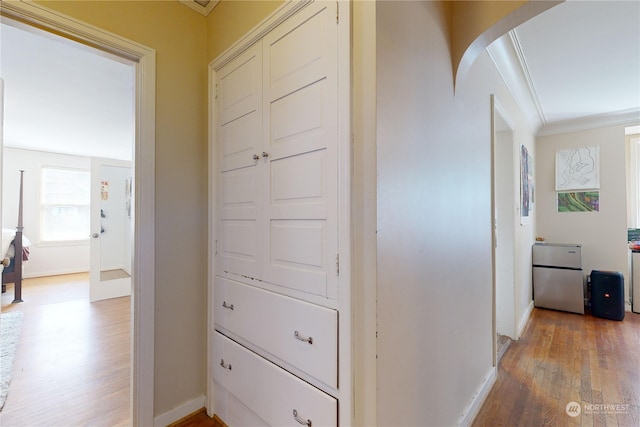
(498,110)
(142,301)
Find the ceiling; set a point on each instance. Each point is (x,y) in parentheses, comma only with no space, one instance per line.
(575,63)
(64,97)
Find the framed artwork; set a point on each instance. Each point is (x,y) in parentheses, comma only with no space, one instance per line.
(579,201)
(526,185)
(578,169)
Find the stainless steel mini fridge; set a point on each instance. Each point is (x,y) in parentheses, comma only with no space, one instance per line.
(558,282)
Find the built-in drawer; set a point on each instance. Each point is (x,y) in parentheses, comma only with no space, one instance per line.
(301,334)
(273,394)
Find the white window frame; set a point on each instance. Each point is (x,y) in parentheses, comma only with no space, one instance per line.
(42,206)
(633,181)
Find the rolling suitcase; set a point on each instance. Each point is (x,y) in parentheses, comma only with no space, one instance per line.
(607,294)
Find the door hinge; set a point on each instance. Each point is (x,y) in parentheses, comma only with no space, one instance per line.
(216,97)
(337,12)
(337,264)
(216,248)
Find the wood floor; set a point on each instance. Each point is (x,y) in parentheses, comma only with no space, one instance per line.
(199,419)
(565,358)
(72,363)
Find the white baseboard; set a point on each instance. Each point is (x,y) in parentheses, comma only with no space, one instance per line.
(524,320)
(33,275)
(180,412)
(473,407)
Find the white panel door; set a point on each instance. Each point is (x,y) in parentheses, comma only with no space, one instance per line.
(300,134)
(239,133)
(111,226)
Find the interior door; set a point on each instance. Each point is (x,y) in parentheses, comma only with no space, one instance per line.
(111,229)
(239,116)
(300,134)
(504,201)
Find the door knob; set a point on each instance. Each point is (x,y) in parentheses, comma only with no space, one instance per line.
(265,154)
(95,235)
(256,157)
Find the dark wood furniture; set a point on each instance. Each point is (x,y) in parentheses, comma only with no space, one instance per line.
(15,276)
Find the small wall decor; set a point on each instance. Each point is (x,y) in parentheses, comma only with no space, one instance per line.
(526,185)
(579,201)
(127,194)
(104,190)
(578,168)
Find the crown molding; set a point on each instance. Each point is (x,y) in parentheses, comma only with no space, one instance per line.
(625,117)
(507,56)
(204,10)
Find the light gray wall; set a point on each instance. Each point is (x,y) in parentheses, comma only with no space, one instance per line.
(435,301)
(603,234)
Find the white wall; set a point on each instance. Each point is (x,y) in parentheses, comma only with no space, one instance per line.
(434,232)
(603,234)
(46,259)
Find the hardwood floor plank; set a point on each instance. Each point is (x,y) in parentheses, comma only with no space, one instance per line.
(72,363)
(564,357)
(199,419)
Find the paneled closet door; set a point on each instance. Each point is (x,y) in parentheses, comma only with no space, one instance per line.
(239,132)
(300,134)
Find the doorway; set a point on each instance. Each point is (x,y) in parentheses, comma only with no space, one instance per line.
(32,15)
(57,121)
(504,223)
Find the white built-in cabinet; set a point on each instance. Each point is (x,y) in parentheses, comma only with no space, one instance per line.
(279,303)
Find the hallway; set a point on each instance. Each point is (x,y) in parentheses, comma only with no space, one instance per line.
(563,358)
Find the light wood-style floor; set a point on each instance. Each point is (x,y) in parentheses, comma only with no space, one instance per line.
(563,358)
(72,363)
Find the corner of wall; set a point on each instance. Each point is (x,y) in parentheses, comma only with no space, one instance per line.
(475,404)
(475,25)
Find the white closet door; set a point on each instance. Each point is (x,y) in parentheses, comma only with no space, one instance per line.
(239,132)
(300,117)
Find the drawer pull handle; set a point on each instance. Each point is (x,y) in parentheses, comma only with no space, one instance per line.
(225,305)
(300,420)
(301,338)
(225,366)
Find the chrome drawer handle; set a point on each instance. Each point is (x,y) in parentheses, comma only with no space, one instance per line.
(300,420)
(225,305)
(224,365)
(301,338)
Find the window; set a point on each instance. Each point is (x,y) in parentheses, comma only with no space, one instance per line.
(633,180)
(64,205)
